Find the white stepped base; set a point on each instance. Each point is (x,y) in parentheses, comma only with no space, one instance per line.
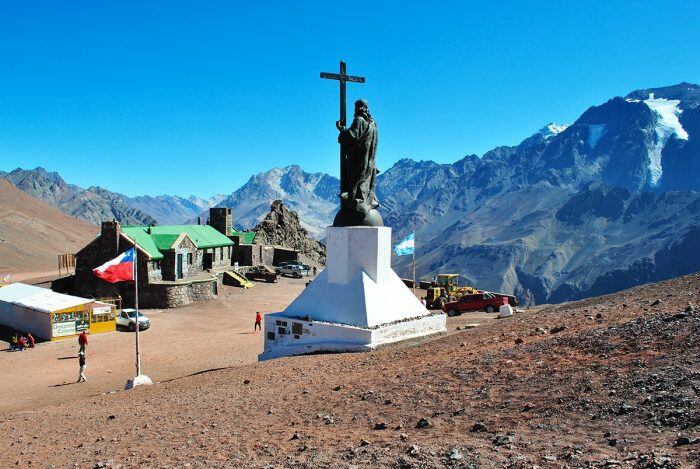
(355,304)
(316,337)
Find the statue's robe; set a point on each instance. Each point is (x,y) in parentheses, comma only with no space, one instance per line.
(359,143)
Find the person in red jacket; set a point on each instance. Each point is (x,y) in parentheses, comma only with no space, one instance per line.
(258,321)
(82,341)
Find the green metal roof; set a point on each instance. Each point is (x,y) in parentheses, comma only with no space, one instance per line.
(143,239)
(164,241)
(161,238)
(247,237)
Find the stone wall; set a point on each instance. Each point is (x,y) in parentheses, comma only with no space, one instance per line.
(221,256)
(257,254)
(243,254)
(173,295)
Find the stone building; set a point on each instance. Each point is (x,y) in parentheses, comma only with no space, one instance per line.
(176,264)
(249,249)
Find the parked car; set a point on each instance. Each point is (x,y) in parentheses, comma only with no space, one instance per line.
(482,301)
(293,270)
(127,318)
(260,272)
(299,263)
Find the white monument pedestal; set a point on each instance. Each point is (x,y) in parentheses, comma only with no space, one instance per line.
(355,304)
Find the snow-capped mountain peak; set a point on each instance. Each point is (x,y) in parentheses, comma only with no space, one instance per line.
(551,129)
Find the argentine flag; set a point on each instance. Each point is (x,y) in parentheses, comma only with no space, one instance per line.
(406,247)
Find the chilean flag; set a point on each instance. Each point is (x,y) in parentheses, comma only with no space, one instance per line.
(118,269)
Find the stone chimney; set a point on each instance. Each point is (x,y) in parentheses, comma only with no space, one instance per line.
(110,235)
(220,219)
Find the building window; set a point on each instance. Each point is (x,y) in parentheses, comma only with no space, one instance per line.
(189,258)
(221,254)
(155,265)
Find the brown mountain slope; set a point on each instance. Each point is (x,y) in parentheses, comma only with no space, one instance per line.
(612,381)
(33,233)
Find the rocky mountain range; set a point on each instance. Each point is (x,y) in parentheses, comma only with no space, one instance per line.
(93,204)
(314,196)
(96,204)
(174,210)
(574,210)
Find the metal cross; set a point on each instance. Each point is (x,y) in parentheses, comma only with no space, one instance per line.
(343,78)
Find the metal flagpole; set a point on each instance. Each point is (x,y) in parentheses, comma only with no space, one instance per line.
(136,306)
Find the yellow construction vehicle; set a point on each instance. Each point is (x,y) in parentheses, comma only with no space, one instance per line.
(444,288)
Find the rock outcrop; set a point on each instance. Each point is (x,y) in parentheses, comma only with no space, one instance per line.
(281,227)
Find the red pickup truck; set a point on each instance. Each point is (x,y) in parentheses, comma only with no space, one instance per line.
(482,301)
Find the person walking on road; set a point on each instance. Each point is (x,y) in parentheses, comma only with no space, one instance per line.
(258,321)
(83,366)
(82,341)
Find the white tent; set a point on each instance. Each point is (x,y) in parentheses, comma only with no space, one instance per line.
(43,312)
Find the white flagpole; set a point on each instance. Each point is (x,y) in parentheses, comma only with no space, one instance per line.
(136,306)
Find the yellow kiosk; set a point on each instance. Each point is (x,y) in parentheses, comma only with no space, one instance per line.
(53,316)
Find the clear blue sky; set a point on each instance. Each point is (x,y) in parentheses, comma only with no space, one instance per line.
(195,97)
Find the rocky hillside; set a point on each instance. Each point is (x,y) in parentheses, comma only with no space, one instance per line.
(33,233)
(281,226)
(313,196)
(572,211)
(93,205)
(602,383)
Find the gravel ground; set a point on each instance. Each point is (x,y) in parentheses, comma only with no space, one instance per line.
(606,382)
